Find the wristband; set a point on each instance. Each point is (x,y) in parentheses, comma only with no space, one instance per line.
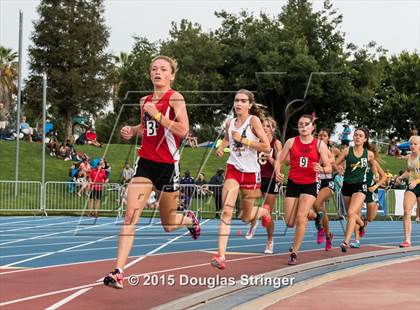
(158,117)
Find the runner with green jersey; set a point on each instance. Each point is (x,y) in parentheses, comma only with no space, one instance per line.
(357,159)
(372,202)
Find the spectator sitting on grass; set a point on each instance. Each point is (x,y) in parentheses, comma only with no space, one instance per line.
(191,141)
(393,148)
(90,137)
(85,166)
(26,129)
(82,183)
(127,174)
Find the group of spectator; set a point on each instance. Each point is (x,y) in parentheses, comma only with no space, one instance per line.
(83,136)
(200,187)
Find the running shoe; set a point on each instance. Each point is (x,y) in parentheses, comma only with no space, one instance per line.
(320,236)
(269,247)
(328,242)
(114,279)
(266,220)
(355,244)
(318,220)
(292,257)
(362,229)
(195,230)
(405,244)
(218,261)
(344,246)
(251,231)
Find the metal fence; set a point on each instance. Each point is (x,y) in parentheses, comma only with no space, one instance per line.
(75,197)
(20,196)
(32,196)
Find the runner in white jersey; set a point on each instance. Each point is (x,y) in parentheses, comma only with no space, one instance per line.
(245,136)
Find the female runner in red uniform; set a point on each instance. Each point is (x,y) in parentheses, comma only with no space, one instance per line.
(305,152)
(163,123)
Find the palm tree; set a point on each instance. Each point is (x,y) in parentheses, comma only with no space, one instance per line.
(120,62)
(8,74)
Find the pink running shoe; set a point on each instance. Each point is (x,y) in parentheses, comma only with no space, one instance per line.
(114,279)
(320,236)
(218,261)
(328,243)
(195,230)
(266,220)
(405,244)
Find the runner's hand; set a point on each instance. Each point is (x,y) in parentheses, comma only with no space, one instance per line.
(127,132)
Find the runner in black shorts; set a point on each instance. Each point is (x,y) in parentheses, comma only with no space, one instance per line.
(371,201)
(326,191)
(269,187)
(305,153)
(354,190)
(163,124)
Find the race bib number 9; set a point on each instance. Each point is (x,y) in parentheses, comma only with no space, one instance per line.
(303,162)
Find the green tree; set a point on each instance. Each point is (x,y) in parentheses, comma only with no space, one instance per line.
(399,95)
(199,57)
(69,42)
(8,74)
(276,56)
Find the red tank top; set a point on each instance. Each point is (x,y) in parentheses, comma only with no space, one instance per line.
(302,160)
(265,167)
(159,144)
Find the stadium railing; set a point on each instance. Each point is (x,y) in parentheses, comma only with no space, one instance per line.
(18,196)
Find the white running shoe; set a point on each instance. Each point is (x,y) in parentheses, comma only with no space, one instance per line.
(251,231)
(269,247)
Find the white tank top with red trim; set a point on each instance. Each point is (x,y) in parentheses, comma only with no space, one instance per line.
(243,158)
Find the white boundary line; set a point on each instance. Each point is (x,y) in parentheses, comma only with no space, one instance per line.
(80,292)
(181,242)
(2,223)
(69,248)
(39,226)
(52,234)
(153,272)
(68,298)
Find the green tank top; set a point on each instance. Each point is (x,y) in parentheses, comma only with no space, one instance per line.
(356,167)
(369,178)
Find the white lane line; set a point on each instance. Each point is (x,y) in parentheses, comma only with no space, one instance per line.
(2,223)
(67,249)
(68,298)
(62,302)
(52,234)
(100,283)
(39,226)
